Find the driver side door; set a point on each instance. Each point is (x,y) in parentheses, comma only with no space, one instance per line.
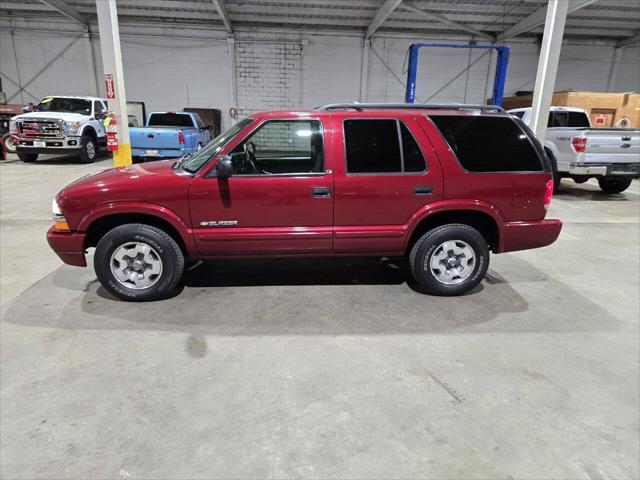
(278,201)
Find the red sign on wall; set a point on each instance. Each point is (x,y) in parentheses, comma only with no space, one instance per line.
(110,88)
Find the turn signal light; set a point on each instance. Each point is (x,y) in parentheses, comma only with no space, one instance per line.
(579,144)
(181,138)
(60,223)
(548,193)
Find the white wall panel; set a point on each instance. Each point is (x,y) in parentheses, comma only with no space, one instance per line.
(169,73)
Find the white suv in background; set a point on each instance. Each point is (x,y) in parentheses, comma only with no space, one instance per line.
(61,125)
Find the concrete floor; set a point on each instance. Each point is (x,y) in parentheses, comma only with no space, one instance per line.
(323,368)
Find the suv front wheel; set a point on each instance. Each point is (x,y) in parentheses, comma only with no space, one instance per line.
(450,259)
(138,262)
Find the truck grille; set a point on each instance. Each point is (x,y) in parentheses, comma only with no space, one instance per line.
(40,128)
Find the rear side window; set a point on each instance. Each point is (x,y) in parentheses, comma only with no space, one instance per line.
(488,144)
(381,146)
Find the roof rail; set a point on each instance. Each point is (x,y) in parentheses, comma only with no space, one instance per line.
(411,106)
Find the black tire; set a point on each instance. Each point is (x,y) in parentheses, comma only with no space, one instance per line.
(554,171)
(431,241)
(89,151)
(165,247)
(9,146)
(614,185)
(28,157)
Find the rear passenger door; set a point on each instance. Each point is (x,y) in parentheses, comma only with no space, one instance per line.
(385,171)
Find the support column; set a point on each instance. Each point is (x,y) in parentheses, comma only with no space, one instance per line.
(231,48)
(91,58)
(364,70)
(548,66)
(613,71)
(112,65)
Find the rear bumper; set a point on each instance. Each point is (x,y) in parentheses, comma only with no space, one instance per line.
(605,169)
(158,154)
(68,246)
(526,235)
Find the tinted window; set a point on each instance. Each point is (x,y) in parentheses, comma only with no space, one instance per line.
(170,120)
(98,108)
(372,146)
(558,119)
(488,144)
(280,147)
(412,155)
(578,119)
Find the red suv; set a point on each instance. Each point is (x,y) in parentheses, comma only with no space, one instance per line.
(440,184)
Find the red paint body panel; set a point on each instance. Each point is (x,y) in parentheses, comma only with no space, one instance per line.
(68,246)
(277,215)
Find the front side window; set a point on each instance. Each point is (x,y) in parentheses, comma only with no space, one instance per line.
(98,108)
(488,144)
(281,147)
(381,146)
(196,161)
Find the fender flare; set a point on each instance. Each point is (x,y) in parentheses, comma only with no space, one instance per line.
(142,208)
(452,205)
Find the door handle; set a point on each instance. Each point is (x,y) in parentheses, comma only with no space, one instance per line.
(423,191)
(321,192)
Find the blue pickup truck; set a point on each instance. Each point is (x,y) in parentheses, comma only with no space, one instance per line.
(168,135)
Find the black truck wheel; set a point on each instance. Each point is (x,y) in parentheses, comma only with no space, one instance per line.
(137,262)
(89,149)
(450,259)
(28,157)
(614,185)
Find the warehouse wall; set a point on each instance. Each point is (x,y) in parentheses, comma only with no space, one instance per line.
(169,69)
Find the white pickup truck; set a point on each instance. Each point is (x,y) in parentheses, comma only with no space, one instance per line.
(577,151)
(61,125)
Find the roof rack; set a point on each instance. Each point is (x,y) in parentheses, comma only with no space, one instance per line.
(411,106)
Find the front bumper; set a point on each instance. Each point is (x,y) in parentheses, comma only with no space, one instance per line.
(526,235)
(69,246)
(605,169)
(51,145)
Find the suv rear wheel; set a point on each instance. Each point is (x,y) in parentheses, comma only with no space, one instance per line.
(614,185)
(450,260)
(28,157)
(138,262)
(89,149)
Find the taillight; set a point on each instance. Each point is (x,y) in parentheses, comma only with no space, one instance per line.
(579,144)
(548,193)
(181,138)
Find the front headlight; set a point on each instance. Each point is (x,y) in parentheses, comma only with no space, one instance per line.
(59,222)
(13,127)
(72,128)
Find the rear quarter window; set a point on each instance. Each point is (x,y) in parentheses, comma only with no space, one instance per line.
(488,144)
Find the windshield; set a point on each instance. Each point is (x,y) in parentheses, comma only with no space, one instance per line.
(62,104)
(195,162)
(170,120)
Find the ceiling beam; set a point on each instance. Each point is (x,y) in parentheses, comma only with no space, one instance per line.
(629,42)
(442,19)
(221,8)
(537,18)
(386,9)
(66,10)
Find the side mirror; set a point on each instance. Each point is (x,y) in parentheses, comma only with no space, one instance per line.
(26,109)
(224,167)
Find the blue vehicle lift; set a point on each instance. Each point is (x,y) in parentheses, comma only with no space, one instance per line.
(498,83)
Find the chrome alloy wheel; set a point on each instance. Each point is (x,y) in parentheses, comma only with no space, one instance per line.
(452,262)
(136,265)
(91,150)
